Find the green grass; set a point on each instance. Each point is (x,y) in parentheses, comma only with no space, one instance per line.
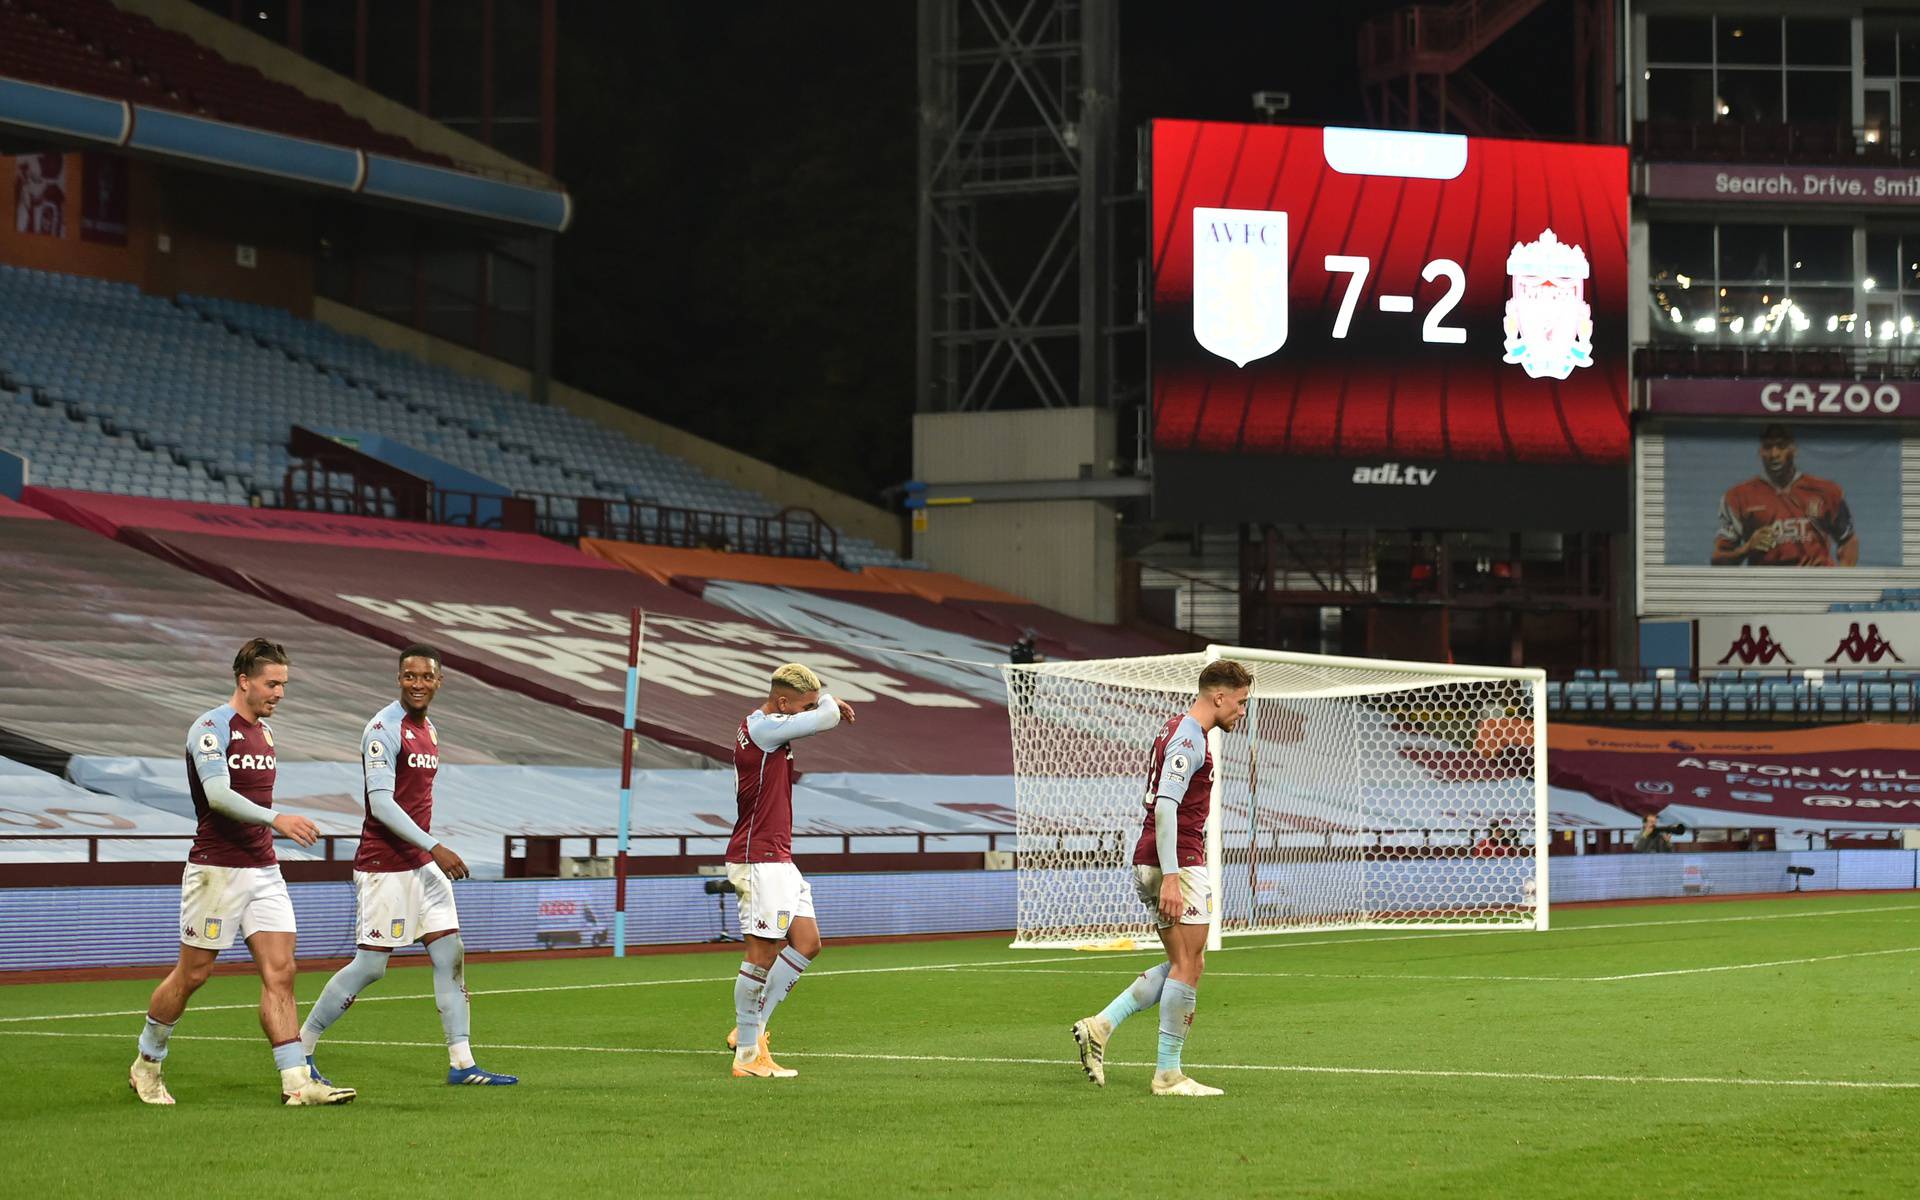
(1355,1064)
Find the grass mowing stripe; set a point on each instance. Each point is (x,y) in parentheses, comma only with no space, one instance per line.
(1285,942)
(988,1060)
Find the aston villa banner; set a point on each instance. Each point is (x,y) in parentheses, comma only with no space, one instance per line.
(1841,773)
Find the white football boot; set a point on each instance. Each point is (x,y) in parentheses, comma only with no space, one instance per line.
(1177,1083)
(1091,1035)
(298,1087)
(147,1081)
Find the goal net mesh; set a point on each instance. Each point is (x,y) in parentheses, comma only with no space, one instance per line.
(1350,796)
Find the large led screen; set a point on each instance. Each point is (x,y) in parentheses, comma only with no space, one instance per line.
(1372,327)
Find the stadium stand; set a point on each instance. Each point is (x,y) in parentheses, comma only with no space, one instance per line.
(1738,694)
(91,46)
(531,615)
(502,435)
(135,648)
(112,390)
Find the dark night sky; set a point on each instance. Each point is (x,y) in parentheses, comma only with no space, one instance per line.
(742,263)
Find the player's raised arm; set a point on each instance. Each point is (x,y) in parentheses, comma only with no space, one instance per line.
(799,706)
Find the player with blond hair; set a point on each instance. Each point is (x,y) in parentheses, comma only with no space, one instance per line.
(776,904)
(1170,873)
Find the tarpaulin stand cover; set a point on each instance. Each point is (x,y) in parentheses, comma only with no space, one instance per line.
(105,650)
(542,619)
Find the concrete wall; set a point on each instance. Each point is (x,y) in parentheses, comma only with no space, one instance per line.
(275,61)
(1063,554)
(843,512)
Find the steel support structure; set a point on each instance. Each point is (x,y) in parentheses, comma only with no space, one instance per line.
(1016,204)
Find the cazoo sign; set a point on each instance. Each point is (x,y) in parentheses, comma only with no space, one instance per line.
(1835,398)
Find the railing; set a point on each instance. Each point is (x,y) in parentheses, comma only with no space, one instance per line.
(1782,142)
(660,855)
(790,533)
(312,487)
(93,841)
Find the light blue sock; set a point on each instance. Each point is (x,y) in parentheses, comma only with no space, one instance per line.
(449,955)
(1144,993)
(153,1039)
(337,997)
(1177,1002)
(747,986)
(289,1054)
(780,980)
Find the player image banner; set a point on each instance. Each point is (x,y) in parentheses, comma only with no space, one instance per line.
(1840,773)
(1830,498)
(1395,328)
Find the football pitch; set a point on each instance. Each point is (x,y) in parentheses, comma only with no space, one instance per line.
(1707,1049)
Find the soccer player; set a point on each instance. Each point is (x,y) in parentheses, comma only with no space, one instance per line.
(1784,517)
(402,874)
(232,884)
(776,904)
(1170,872)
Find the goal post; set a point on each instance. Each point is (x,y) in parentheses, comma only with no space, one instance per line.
(1356,794)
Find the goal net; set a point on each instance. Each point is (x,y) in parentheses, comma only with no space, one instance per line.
(1357,793)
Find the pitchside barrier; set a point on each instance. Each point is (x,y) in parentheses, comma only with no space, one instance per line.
(49,928)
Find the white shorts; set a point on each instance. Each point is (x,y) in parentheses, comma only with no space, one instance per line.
(218,904)
(398,908)
(1195,884)
(772,897)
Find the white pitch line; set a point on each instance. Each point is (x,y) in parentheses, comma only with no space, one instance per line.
(1287,943)
(1063,1063)
(1382,977)
(1778,962)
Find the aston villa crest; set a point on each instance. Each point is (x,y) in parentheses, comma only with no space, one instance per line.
(1549,324)
(1239,282)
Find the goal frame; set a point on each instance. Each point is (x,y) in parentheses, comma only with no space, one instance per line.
(1533,677)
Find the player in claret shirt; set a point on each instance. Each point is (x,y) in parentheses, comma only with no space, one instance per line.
(232,885)
(776,904)
(403,875)
(1784,517)
(1170,874)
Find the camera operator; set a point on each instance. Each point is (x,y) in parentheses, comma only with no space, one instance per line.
(1656,838)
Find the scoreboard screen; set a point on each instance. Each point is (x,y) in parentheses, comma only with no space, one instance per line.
(1391,329)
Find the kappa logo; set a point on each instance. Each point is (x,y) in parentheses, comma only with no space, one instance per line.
(759,924)
(373,935)
(1870,648)
(1192,911)
(1750,649)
